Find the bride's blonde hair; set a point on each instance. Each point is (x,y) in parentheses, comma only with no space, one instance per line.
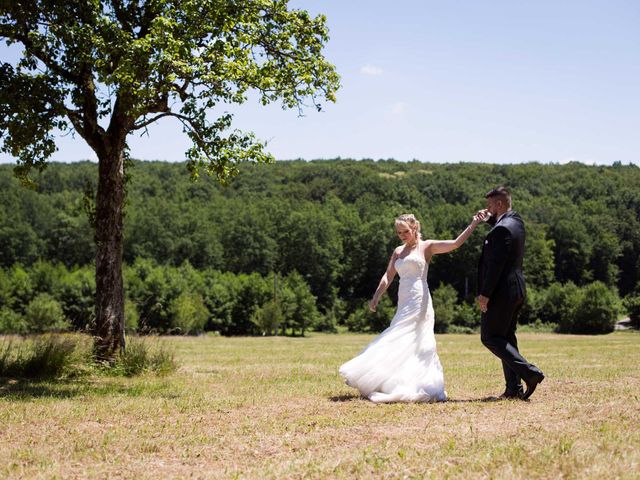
(412,222)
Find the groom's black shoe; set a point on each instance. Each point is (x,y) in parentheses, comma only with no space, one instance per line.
(532,383)
(511,395)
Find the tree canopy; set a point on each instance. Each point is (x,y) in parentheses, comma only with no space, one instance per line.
(107,69)
(114,67)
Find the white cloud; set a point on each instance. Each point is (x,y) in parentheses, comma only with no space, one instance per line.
(371,70)
(399,108)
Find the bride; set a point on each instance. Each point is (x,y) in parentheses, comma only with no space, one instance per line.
(401,364)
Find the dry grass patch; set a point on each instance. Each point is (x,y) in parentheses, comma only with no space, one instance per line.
(276,408)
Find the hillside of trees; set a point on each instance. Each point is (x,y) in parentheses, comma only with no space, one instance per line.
(301,245)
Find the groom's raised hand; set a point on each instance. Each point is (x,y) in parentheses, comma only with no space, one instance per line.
(483,302)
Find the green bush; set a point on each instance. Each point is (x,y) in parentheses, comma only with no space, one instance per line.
(268,317)
(77,297)
(190,315)
(530,311)
(363,320)
(139,357)
(21,288)
(632,305)
(559,304)
(329,321)
(538,327)
(52,356)
(44,314)
(444,305)
(131,316)
(12,322)
(467,318)
(597,311)
(459,329)
(46,356)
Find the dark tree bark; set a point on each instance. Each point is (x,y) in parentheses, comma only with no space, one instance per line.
(109,322)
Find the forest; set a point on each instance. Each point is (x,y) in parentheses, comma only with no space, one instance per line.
(300,245)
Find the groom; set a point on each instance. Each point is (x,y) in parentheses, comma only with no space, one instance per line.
(502,292)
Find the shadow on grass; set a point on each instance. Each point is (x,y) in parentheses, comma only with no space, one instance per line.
(482,400)
(346,398)
(28,389)
(351,397)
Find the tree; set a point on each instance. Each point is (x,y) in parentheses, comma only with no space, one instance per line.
(190,314)
(268,317)
(301,304)
(106,69)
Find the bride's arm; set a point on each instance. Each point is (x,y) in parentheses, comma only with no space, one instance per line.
(435,247)
(385,281)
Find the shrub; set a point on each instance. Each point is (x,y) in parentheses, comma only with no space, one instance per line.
(77,297)
(329,321)
(189,312)
(597,312)
(138,357)
(44,314)
(46,356)
(21,288)
(538,327)
(459,329)
(632,304)
(559,304)
(467,318)
(363,320)
(7,362)
(268,317)
(131,316)
(530,311)
(51,357)
(444,305)
(68,355)
(12,322)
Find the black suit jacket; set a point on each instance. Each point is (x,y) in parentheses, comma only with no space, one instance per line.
(500,270)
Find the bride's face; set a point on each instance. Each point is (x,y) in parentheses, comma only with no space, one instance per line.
(405,234)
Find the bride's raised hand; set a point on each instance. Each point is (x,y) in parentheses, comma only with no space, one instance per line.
(480,216)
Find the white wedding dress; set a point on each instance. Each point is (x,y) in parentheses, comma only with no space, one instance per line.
(401,364)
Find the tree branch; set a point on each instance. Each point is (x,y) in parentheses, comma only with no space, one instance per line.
(121,16)
(31,49)
(146,123)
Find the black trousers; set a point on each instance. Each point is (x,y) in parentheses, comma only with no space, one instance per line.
(498,334)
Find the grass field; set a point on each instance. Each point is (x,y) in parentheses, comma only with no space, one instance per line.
(276,408)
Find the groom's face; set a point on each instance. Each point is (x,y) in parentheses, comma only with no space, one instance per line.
(493,206)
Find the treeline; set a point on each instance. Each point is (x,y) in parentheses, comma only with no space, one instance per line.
(328,225)
(160,299)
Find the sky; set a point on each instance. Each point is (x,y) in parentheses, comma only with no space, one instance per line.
(453,81)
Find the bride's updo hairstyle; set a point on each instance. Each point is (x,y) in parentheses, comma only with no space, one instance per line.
(411,222)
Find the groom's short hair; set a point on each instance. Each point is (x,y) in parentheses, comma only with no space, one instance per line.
(502,193)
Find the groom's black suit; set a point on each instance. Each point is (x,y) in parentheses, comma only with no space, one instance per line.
(501,280)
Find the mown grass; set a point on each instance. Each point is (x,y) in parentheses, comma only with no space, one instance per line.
(276,408)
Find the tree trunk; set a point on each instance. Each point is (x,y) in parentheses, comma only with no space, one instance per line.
(109,323)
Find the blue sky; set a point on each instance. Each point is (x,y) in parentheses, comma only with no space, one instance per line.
(449,81)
